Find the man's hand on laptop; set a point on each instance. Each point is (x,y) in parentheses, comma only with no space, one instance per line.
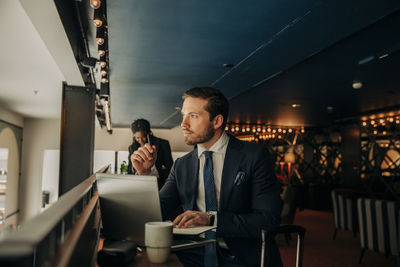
(191,218)
(144,158)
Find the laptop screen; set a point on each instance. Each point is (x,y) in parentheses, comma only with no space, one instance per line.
(127,202)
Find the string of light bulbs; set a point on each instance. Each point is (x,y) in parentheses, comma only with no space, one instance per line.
(257,132)
(100,21)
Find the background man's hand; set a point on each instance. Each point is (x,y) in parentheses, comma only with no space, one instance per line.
(191,218)
(144,158)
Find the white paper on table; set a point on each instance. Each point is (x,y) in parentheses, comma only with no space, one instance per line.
(192,230)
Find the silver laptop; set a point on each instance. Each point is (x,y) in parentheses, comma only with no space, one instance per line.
(127,202)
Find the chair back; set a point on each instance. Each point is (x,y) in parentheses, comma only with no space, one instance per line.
(344,211)
(379,225)
(268,235)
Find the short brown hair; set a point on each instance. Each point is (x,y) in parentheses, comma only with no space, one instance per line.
(217,102)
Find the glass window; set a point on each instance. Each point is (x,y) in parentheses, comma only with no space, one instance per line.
(3,181)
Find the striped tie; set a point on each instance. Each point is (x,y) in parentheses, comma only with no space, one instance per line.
(210,252)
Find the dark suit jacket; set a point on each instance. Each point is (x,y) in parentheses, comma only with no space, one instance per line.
(164,159)
(246,206)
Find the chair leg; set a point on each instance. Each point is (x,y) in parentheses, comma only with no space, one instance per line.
(361,255)
(334,234)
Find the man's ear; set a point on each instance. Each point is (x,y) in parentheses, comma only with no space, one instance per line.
(218,121)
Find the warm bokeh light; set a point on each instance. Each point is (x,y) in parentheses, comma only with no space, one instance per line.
(100,41)
(95,4)
(97,22)
(258,130)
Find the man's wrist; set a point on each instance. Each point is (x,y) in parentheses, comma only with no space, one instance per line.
(211,217)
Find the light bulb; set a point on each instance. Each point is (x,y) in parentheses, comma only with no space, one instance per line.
(97,22)
(95,4)
(100,41)
(357,85)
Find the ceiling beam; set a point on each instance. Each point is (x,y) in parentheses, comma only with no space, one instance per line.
(45,18)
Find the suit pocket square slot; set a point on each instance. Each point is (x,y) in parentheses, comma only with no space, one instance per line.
(240,177)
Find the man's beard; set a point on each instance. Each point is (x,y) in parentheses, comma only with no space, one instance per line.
(200,138)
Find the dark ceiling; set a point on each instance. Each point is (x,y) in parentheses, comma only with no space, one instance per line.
(283,52)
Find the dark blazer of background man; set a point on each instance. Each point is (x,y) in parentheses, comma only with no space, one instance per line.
(249,194)
(141,131)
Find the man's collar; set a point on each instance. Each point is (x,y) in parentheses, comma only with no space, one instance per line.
(217,147)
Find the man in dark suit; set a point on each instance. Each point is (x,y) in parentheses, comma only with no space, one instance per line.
(244,190)
(142,134)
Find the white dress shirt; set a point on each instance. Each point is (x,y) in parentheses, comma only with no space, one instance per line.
(218,157)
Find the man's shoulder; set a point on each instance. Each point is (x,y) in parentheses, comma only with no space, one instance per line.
(186,158)
(189,155)
(160,140)
(244,145)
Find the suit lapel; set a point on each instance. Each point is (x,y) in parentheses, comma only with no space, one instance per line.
(233,157)
(154,141)
(193,179)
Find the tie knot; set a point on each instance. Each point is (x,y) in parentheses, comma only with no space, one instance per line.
(208,154)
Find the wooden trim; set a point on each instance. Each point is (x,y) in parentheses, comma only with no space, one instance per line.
(67,248)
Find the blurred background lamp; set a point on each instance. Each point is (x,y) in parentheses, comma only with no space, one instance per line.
(357,85)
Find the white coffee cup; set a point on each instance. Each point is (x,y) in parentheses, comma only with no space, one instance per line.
(158,241)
